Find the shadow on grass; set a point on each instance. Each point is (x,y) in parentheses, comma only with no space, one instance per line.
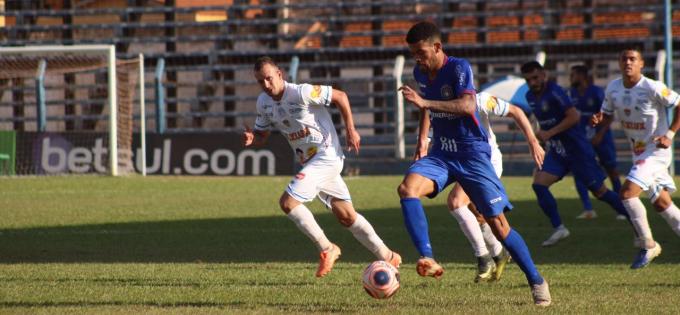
(275,239)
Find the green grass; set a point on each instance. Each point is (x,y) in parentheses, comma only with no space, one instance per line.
(220,244)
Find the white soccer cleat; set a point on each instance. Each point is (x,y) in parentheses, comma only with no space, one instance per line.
(541,294)
(587,215)
(621,217)
(559,234)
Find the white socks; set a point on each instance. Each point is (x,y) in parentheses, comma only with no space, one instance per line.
(638,217)
(492,243)
(304,220)
(470,227)
(672,217)
(364,233)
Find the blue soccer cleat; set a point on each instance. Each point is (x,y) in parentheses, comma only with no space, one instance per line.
(645,256)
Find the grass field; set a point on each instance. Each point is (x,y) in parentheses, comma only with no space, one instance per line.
(221,245)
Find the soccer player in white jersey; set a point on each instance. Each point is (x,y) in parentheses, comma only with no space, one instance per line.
(299,112)
(641,104)
(491,257)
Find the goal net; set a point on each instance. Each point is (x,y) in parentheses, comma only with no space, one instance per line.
(69,110)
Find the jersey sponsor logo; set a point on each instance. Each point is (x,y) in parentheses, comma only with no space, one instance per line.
(316,92)
(422,85)
(299,134)
(494,200)
(443,115)
(633,125)
(446,91)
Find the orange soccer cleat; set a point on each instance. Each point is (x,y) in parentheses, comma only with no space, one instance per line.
(327,259)
(428,267)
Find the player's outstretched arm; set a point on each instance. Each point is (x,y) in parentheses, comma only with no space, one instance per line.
(571,118)
(522,122)
(254,137)
(339,98)
(465,105)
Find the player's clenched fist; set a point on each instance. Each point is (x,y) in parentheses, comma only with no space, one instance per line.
(596,119)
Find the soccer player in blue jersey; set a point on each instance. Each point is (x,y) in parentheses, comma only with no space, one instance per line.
(567,148)
(588,98)
(460,152)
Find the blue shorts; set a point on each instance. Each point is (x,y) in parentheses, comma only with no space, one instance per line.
(606,151)
(476,176)
(583,167)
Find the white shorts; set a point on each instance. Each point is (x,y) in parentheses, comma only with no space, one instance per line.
(497,161)
(651,173)
(319,178)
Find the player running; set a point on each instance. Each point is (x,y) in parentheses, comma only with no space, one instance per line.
(640,104)
(299,112)
(567,148)
(460,152)
(491,257)
(587,98)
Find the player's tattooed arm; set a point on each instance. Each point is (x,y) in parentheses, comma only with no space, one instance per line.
(341,101)
(571,118)
(537,152)
(604,121)
(254,137)
(464,105)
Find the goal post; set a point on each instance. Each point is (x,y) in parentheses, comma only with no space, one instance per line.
(21,63)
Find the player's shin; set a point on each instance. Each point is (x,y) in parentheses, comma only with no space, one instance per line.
(470,227)
(416,225)
(305,222)
(638,218)
(519,251)
(364,233)
(672,217)
(614,201)
(547,202)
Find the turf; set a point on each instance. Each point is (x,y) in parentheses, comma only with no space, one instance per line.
(221,245)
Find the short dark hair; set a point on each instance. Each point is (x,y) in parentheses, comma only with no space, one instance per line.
(531,66)
(424,30)
(263,61)
(631,48)
(580,69)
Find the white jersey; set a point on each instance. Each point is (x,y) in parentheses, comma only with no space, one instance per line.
(488,104)
(302,117)
(642,113)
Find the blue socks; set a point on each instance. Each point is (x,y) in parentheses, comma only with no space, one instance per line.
(519,251)
(583,194)
(614,201)
(416,224)
(547,202)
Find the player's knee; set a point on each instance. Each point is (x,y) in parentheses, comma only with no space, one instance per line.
(287,203)
(661,203)
(404,190)
(539,188)
(455,203)
(626,193)
(599,192)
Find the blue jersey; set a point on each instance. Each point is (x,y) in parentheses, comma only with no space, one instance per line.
(453,135)
(589,103)
(550,110)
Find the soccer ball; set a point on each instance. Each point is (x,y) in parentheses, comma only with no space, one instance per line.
(381,280)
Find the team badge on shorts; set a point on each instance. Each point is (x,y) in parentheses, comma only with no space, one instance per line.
(300,176)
